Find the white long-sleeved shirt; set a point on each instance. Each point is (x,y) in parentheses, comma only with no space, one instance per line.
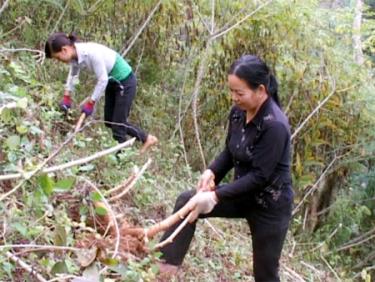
(96,58)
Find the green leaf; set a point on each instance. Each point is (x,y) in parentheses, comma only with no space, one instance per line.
(22,103)
(110,261)
(101,211)
(59,267)
(46,183)
(64,184)
(13,142)
(59,236)
(22,229)
(95,197)
(21,129)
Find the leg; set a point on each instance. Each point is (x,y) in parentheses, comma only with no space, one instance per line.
(109,104)
(267,240)
(175,252)
(121,108)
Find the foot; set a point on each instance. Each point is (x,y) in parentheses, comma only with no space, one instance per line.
(167,271)
(150,141)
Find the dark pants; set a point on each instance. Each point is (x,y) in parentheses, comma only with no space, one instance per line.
(119,96)
(268,228)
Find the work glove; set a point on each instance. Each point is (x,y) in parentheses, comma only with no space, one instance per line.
(88,107)
(202,203)
(66,103)
(206,181)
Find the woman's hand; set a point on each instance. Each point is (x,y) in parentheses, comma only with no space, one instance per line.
(206,181)
(202,203)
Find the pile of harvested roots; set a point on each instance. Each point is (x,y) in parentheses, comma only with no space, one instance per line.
(100,234)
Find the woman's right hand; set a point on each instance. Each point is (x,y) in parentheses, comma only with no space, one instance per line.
(206,181)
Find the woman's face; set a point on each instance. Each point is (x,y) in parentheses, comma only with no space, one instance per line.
(66,54)
(243,96)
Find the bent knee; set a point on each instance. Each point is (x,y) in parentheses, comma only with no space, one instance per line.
(183,198)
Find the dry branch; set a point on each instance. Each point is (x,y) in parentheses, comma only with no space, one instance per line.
(315,186)
(69,164)
(142,28)
(25,266)
(222,32)
(39,247)
(5,4)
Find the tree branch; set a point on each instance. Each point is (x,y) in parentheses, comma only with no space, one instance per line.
(5,4)
(315,186)
(100,154)
(224,31)
(142,28)
(201,71)
(25,266)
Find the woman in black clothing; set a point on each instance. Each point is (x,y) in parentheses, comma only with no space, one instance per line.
(258,148)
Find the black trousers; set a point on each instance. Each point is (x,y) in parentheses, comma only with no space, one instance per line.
(268,228)
(119,96)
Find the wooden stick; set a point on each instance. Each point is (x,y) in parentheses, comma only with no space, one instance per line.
(40,247)
(25,266)
(70,164)
(80,122)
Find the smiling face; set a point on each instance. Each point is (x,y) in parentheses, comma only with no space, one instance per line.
(243,96)
(66,55)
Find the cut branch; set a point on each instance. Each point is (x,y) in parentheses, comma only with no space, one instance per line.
(39,247)
(25,266)
(69,164)
(30,174)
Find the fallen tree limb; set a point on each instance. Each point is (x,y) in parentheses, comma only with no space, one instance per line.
(69,164)
(25,266)
(39,247)
(39,168)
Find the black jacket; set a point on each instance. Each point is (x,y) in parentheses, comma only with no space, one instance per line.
(259,152)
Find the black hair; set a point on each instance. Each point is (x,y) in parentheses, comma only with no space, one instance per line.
(56,41)
(255,72)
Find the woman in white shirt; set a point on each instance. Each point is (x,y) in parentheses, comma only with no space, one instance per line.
(114,77)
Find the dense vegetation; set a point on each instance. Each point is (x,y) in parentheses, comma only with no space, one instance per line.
(181,58)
